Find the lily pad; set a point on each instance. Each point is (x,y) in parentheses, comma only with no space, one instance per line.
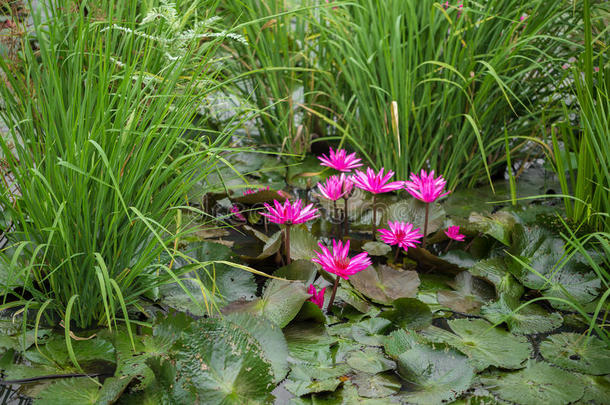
(313,378)
(498,225)
(280,303)
(469,295)
(399,341)
(260,197)
(539,383)
(70,391)
(597,389)
(409,313)
(303,244)
(303,270)
(484,344)
(309,342)
(385,284)
(376,385)
(370,360)
(376,248)
(585,354)
(269,336)
(434,376)
(527,320)
(414,211)
(370,331)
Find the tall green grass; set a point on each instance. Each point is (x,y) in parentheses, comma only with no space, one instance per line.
(104,156)
(417,86)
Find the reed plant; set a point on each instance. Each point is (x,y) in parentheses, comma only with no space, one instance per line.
(104,154)
(424,84)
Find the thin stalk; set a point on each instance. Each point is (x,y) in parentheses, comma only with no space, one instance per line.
(332,296)
(345,219)
(374,224)
(426,225)
(336,226)
(396,255)
(287,243)
(448,245)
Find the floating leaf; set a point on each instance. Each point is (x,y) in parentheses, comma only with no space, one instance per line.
(370,331)
(271,340)
(585,354)
(399,341)
(303,270)
(571,285)
(492,270)
(70,391)
(537,384)
(376,385)
(280,303)
(414,211)
(312,378)
(303,244)
(219,361)
(309,342)
(385,284)
(483,344)
(433,376)
(597,389)
(370,360)
(498,225)
(376,248)
(469,295)
(260,196)
(529,319)
(409,313)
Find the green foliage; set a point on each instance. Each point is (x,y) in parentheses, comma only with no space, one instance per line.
(104,153)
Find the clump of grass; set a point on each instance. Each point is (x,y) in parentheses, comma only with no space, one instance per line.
(104,154)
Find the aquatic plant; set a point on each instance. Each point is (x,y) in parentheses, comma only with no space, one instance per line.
(401,234)
(340,160)
(317,297)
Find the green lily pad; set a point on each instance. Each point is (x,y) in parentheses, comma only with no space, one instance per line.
(483,344)
(597,389)
(303,244)
(399,341)
(370,331)
(219,361)
(572,285)
(309,342)
(469,295)
(269,336)
(527,320)
(70,391)
(352,297)
(385,284)
(433,376)
(376,248)
(272,245)
(370,360)
(409,313)
(260,197)
(300,387)
(376,385)
(539,383)
(498,225)
(303,270)
(414,211)
(92,354)
(492,270)
(585,354)
(314,378)
(280,303)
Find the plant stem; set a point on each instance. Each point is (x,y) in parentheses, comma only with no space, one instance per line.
(287,243)
(336,226)
(426,226)
(332,296)
(374,224)
(345,219)
(396,255)
(448,245)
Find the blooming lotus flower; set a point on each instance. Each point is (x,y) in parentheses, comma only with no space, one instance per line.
(337,262)
(453,232)
(425,187)
(290,213)
(336,187)
(237,214)
(317,297)
(375,183)
(401,234)
(340,160)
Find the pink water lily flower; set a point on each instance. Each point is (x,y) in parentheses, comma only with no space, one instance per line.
(340,160)
(453,232)
(237,214)
(375,183)
(335,187)
(337,262)
(401,234)
(425,187)
(317,297)
(290,213)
